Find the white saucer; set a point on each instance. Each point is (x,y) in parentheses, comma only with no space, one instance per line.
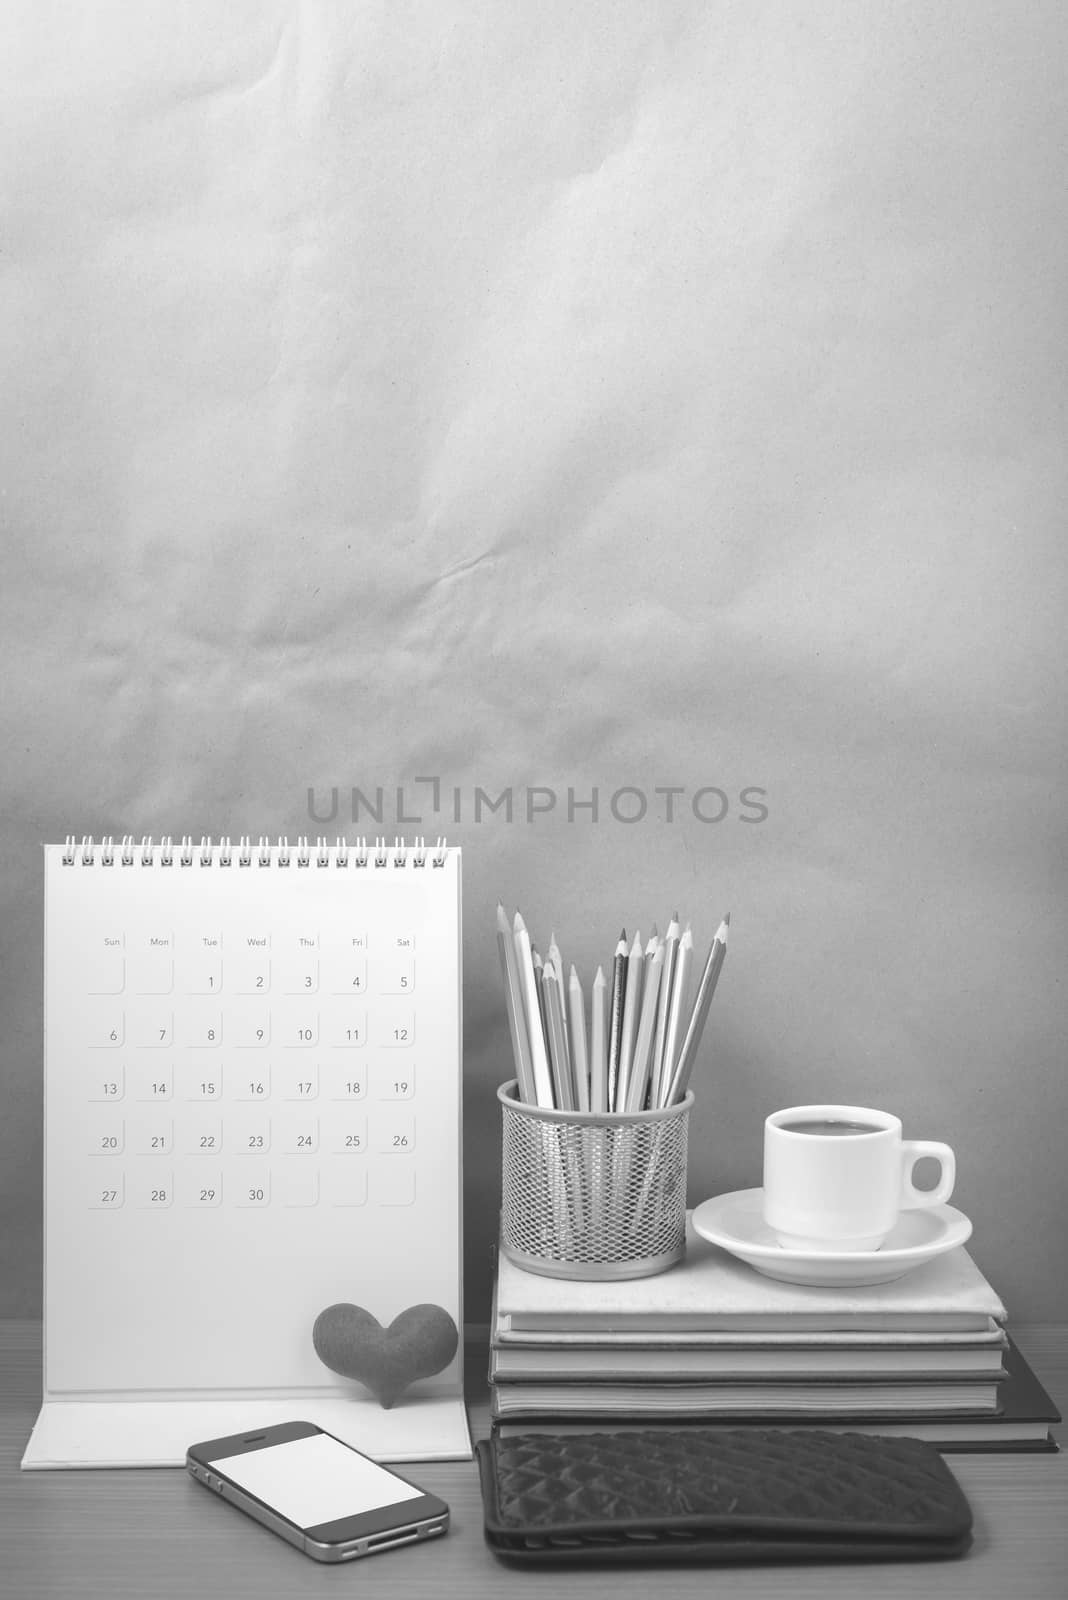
(736,1223)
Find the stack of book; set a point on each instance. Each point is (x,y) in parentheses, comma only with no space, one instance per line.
(714,1342)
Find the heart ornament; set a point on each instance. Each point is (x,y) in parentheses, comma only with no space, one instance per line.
(419,1342)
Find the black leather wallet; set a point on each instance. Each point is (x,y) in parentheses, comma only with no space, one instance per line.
(719,1495)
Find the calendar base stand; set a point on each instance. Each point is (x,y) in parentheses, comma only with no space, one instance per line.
(157,1433)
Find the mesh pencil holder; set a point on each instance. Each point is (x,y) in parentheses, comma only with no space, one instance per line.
(586,1195)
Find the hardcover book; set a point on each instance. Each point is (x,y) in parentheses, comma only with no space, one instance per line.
(591,1362)
(1025,1413)
(827,1397)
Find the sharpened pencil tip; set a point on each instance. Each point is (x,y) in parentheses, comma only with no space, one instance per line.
(727,919)
(623,934)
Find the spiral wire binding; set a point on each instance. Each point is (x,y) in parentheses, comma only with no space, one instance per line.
(322,854)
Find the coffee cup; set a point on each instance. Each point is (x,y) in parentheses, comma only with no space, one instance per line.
(837,1177)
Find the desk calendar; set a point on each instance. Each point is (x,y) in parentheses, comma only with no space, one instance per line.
(252,1111)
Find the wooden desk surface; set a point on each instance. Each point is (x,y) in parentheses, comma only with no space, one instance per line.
(154,1534)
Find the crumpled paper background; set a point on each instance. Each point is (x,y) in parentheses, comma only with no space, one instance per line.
(594,397)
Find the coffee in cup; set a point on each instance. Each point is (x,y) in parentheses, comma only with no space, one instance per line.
(837,1177)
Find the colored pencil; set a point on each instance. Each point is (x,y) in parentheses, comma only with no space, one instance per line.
(673,1036)
(615,1036)
(561,1071)
(632,1004)
(667,979)
(539,1056)
(706,989)
(639,1073)
(599,1043)
(513,1002)
(580,1069)
(557,961)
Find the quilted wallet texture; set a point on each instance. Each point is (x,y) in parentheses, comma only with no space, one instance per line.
(719,1495)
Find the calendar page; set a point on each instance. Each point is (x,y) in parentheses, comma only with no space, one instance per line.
(252,1111)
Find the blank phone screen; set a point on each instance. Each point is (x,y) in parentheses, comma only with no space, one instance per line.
(315,1480)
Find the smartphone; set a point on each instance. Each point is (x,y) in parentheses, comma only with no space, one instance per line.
(320,1494)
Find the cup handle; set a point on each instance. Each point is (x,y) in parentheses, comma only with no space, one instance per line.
(911,1152)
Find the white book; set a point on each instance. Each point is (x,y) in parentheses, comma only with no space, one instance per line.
(768,1339)
(711,1291)
(686,1401)
(583,1363)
